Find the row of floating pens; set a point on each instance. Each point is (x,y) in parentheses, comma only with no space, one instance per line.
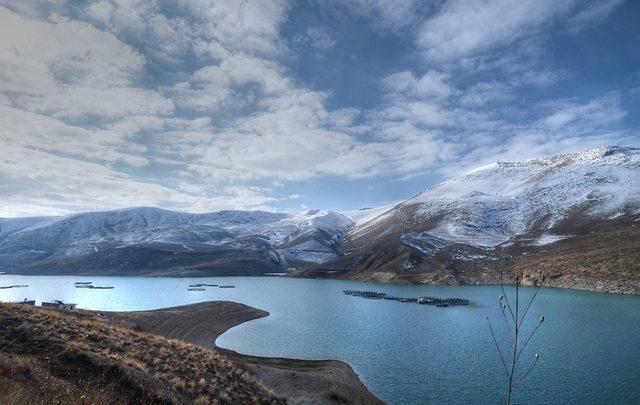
(438,302)
(201,287)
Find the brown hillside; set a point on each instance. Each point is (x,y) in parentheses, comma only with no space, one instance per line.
(49,357)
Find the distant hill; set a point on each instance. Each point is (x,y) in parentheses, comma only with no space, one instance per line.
(153,241)
(575,216)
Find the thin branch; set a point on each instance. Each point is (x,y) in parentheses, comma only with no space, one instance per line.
(526,374)
(506,322)
(506,299)
(514,360)
(495,341)
(531,302)
(518,313)
(527,341)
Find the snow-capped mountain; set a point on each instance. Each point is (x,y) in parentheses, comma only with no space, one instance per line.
(115,238)
(574,214)
(491,205)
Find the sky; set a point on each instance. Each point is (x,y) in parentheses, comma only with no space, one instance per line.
(205,105)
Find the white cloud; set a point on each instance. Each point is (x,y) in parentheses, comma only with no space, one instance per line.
(393,15)
(469,27)
(142,21)
(287,140)
(28,130)
(61,50)
(486,93)
(37,8)
(431,84)
(41,177)
(316,37)
(212,87)
(418,112)
(70,69)
(76,102)
(37,180)
(595,11)
(584,117)
(239,25)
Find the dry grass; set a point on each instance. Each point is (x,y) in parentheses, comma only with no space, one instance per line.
(47,356)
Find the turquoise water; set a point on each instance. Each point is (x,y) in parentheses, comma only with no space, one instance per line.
(405,353)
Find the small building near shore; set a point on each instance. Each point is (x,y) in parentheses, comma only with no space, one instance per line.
(57,304)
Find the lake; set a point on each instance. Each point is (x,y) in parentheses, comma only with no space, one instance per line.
(589,344)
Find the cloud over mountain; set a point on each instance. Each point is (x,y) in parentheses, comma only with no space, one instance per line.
(203,105)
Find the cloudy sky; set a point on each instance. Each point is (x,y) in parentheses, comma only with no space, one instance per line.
(201,105)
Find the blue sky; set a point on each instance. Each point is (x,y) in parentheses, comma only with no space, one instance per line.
(202,105)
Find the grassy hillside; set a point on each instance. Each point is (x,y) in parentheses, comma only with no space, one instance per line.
(49,357)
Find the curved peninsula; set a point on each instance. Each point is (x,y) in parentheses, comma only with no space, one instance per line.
(299,381)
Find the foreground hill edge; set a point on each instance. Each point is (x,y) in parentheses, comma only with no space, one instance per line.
(160,356)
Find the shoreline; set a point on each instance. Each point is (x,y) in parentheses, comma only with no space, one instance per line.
(300,381)
(416,279)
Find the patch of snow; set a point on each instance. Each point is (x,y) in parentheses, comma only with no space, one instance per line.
(468,257)
(547,239)
(424,242)
(365,215)
(470,235)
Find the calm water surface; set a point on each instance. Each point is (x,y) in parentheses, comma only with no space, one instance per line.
(405,353)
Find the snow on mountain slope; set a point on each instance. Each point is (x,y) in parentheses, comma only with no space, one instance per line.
(362,216)
(310,221)
(138,225)
(490,205)
(11,225)
(311,234)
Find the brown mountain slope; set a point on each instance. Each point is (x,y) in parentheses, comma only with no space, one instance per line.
(596,255)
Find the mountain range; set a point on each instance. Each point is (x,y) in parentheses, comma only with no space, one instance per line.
(574,217)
